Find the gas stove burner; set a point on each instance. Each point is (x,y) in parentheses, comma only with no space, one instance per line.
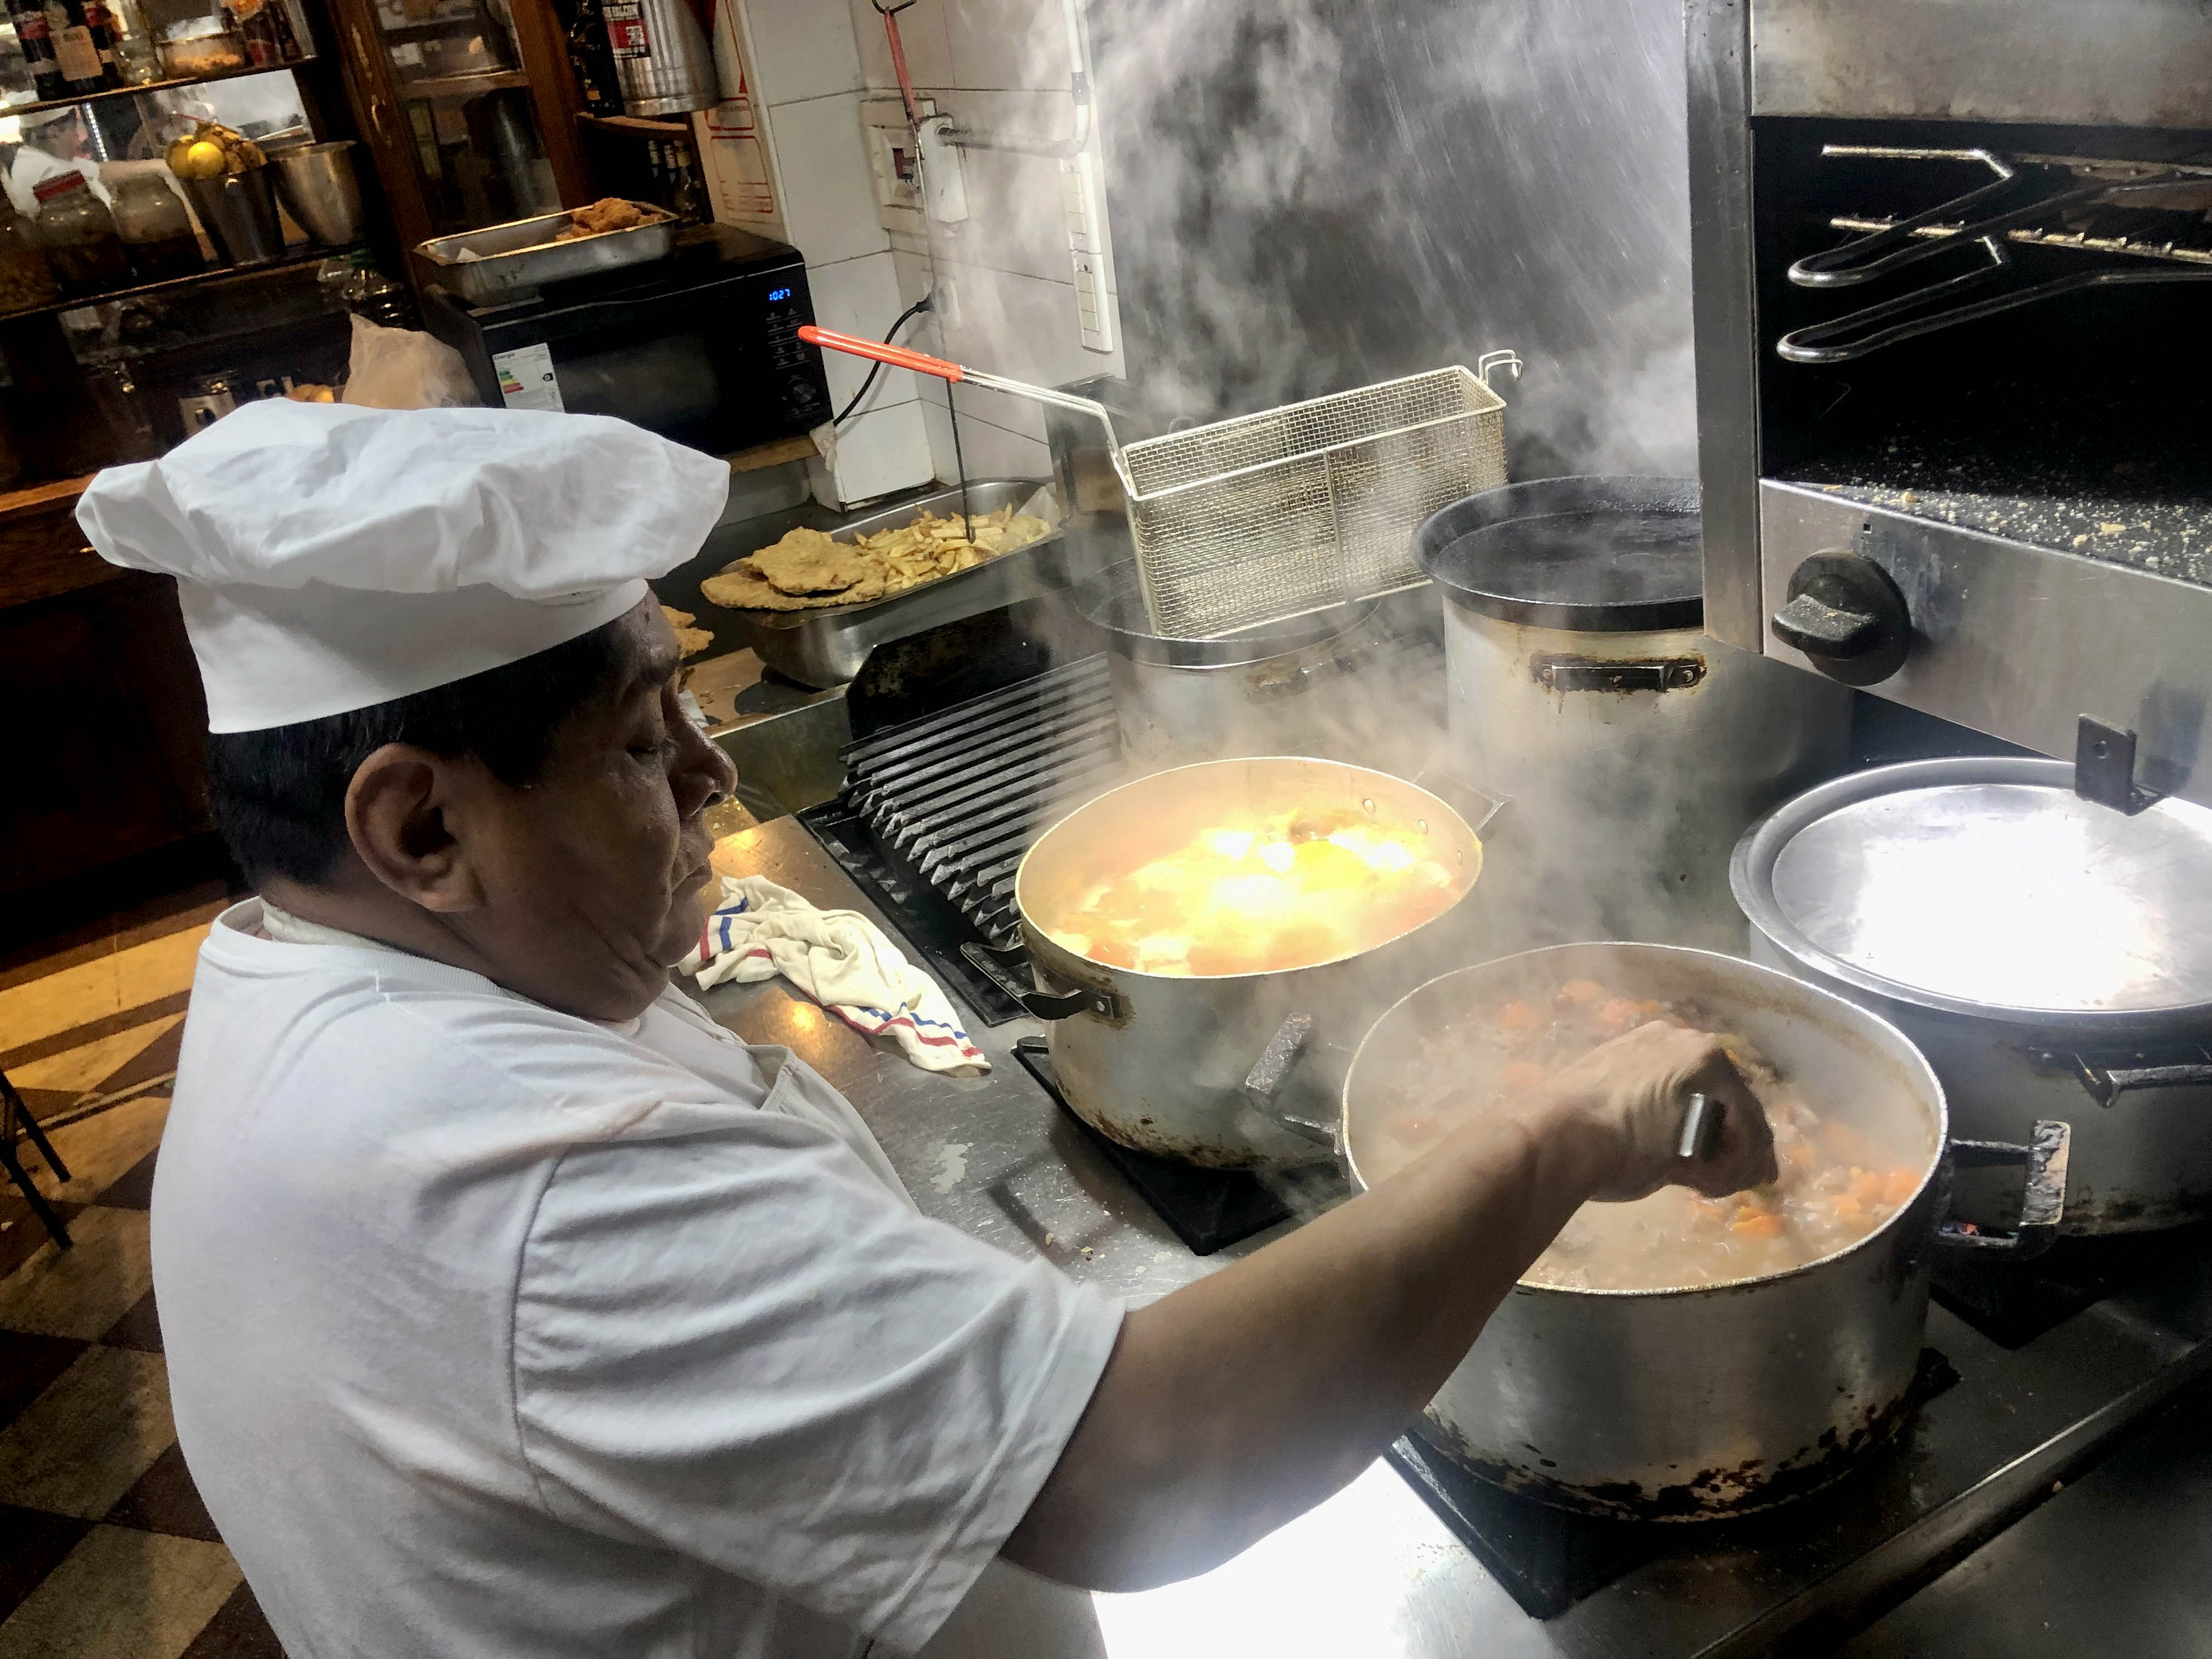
(1208,1209)
(2012,1305)
(1550,1559)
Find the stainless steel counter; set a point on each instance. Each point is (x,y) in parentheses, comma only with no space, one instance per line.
(1372,1572)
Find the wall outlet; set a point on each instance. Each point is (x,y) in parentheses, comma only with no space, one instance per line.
(1094,304)
(894,165)
(943,175)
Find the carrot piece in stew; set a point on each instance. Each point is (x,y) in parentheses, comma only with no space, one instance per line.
(1760,1224)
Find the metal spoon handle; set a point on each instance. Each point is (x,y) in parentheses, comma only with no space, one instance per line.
(1701,1128)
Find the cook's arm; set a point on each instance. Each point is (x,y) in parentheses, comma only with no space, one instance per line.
(1244,1399)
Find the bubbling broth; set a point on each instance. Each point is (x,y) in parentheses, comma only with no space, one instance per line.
(1837,1183)
(1285,891)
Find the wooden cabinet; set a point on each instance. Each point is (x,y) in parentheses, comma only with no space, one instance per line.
(102,741)
(469,107)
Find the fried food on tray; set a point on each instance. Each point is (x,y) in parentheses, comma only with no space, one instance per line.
(609,213)
(690,641)
(807,568)
(808,562)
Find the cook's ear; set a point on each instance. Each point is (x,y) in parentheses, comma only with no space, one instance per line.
(399,816)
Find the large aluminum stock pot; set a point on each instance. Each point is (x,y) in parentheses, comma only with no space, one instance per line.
(2051,956)
(1161,1062)
(1715,1400)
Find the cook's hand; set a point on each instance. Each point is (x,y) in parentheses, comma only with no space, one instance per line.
(1634,1090)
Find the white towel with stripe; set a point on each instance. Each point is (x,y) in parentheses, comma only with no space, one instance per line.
(841,960)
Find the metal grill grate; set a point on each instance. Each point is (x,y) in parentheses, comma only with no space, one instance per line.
(1275,514)
(954,800)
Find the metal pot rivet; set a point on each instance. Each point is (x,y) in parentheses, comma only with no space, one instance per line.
(1421,824)
(1369,806)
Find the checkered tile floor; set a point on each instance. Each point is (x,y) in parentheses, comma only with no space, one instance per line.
(106,1551)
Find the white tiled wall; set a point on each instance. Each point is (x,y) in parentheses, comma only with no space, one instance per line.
(799,68)
(1006,288)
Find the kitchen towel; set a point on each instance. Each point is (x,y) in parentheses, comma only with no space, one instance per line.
(841,960)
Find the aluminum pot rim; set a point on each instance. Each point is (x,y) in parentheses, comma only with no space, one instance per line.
(1443,806)
(1851,1011)
(1751,878)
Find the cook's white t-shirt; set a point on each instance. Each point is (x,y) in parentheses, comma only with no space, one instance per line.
(493,1331)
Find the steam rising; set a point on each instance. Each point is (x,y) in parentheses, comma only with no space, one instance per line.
(1312,195)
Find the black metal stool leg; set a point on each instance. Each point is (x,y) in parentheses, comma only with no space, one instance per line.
(12,1109)
(38,1136)
(34,1198)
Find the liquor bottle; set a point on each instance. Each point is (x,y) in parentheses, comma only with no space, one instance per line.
(105,32)
(36,36)
(689,200)
(76,49)
(593,61)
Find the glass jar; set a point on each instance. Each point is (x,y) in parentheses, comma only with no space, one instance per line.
(155,228)
(202,46)
(26,279)
(136,53)
(78,234)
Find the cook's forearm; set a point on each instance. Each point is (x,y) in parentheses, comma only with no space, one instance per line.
(1240,1400)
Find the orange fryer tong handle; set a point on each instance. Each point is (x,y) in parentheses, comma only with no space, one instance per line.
(896,356)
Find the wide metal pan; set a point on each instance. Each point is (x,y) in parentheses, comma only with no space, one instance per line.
(508,262)
(826,645)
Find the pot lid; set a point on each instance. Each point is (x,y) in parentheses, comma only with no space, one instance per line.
(1603,556)
(1986,886)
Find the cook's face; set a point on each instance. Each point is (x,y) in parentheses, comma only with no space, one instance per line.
(604,859)
(61,138)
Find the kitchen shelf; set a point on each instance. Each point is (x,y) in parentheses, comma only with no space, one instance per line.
(112,93)
(635,126)
(174,284)
(461,86)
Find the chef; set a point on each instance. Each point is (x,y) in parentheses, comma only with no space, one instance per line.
(512,1306)
(53,142)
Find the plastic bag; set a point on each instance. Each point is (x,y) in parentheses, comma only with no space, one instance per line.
(405,368)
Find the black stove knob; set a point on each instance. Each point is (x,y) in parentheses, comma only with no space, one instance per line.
(1846,614)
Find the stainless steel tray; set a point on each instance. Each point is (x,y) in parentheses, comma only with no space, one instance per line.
(520,256)
(826,646)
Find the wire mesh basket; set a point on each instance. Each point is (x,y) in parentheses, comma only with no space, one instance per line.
(1294,509)
(1272,515)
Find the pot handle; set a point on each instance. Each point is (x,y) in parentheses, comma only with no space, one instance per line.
(998,964)
(2043,1193)
(2108,1077)
(1263,1083)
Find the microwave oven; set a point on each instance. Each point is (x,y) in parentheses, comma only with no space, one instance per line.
(701,347)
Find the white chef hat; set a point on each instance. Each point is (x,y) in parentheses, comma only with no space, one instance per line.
(329,558)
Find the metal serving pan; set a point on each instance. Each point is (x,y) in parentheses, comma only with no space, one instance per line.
(826,646)
(521,255)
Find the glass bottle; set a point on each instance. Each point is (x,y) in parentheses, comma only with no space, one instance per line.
(593,61)
(76,49)
(16,84)
(26,278)
(79,236)
(35,34)
(106,31)
(156,230)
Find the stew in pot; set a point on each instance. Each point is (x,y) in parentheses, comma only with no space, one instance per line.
(1288,891)
(1837,1183)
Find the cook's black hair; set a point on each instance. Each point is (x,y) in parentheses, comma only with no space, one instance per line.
(278,794)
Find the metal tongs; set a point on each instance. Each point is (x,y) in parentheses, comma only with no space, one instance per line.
(1892,245)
